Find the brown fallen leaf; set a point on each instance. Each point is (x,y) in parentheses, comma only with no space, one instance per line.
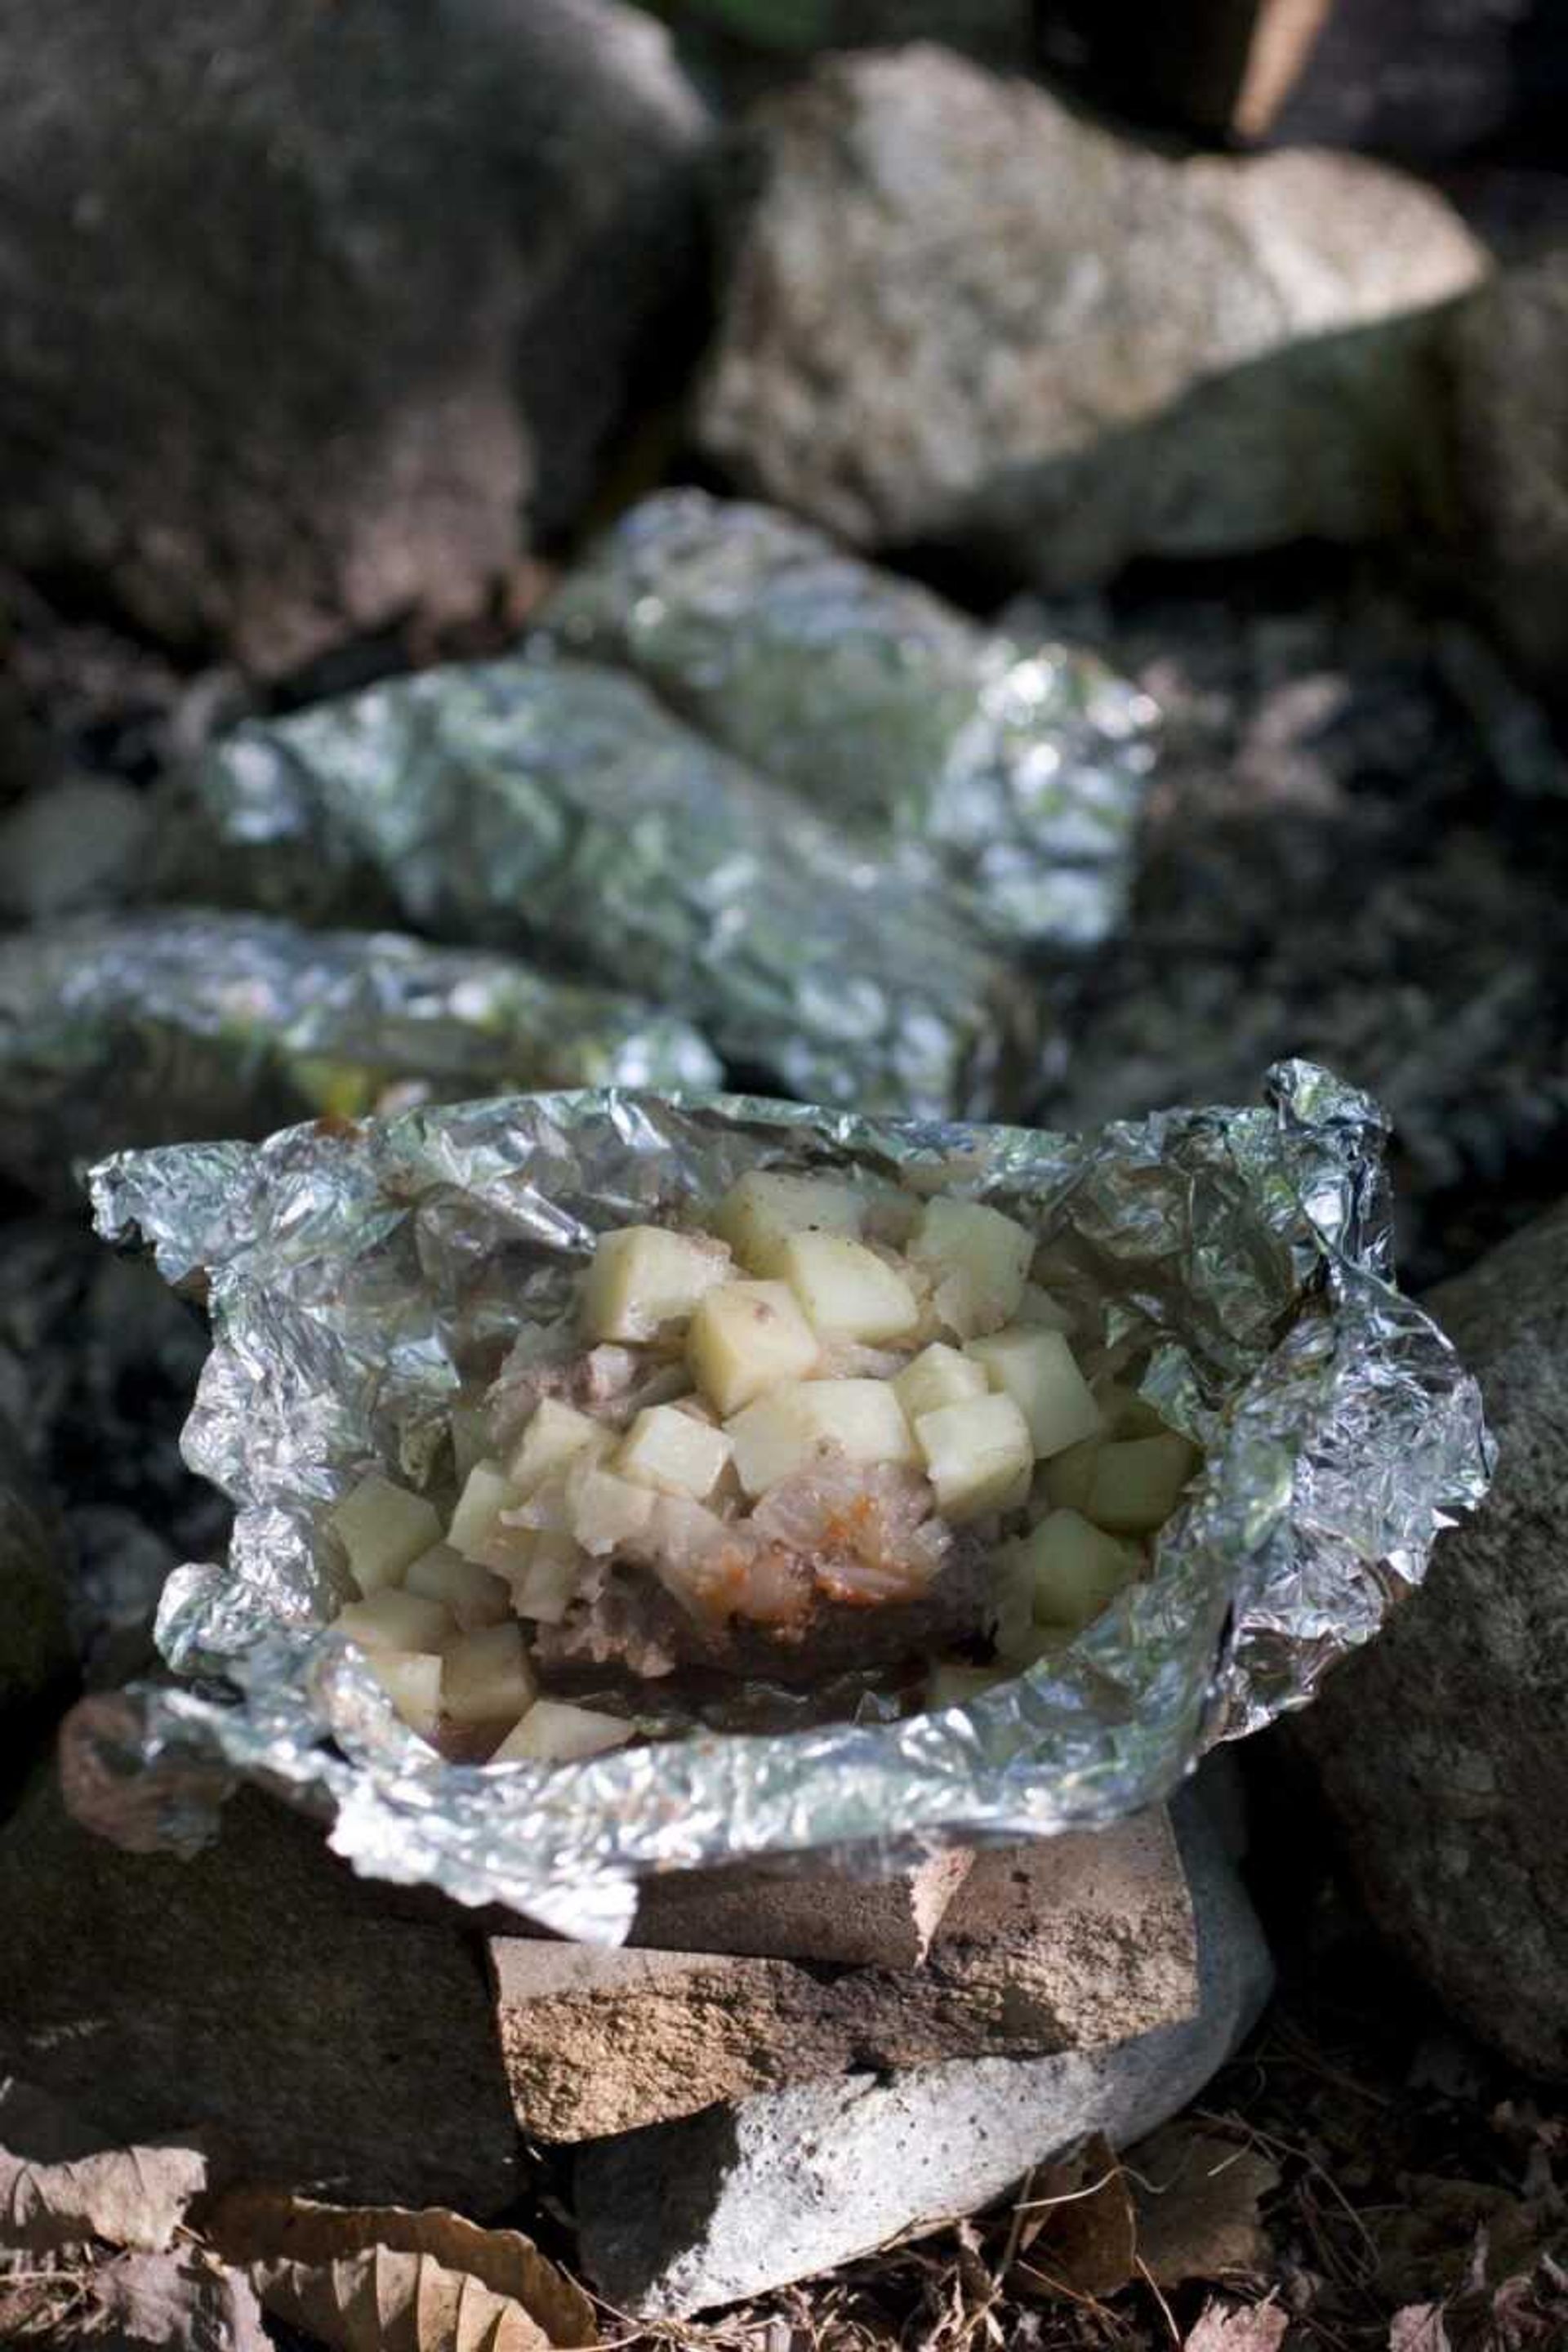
(1418,2329)
(63,2179)
(179,2302)
(1195,2196)
(270,2232)
(1239,2327)
(381,2302)
(1078,2240)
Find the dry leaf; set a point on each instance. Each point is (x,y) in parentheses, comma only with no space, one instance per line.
(381,2302)
(1239,2327)
(1079,2238)
(62,2180)
(258,2226)
(180,2302)
(1418,2329)
(1197,2197)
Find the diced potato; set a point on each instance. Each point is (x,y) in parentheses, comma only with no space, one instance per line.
(381,1527)
(958,1686)
(1037,1308)
(412,1680)
(553,1733)
(758,1215)
(781,1431)
(1138,1482)
(1037,1370)
(673,1452)
(547,1586)
(846,1290)
(1070,1476)
(1126,1413)
(486,1677)
(475,1595)
(606,1511)
(1074,1568)
(940,1375)
(470,1426)
(982,1262)
(979,1454)
(645,1276)
(393,1619)
(475,1527)
(746,1337)
(555,1431)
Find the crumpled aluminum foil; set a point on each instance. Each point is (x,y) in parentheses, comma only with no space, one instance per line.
(1020,769)
(159,1026)
(1248,1249)
(555,808)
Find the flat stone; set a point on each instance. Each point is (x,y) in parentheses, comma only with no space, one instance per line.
(1077,1941)
(818,1914)
(1443,1746)
(325,2032)
(684,2216)
(1105,353)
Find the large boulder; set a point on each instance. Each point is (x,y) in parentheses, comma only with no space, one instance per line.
(956,314)
(1511,352)
(1442,1748)
(310,314)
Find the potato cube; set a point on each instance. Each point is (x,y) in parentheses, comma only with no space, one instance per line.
(412,1680)
(645,1276)
(1037,1308)
(940,1375)
(553,1733)
(475,1595)
(746,1337)
(758,1215)
(486,1677)
(547,1585)
(1036,1370)
(606,1511)
(381,1527)
(1074,1568)
(980,1259)
(470,1427)
(487,1493)
(392,1620)
(555,1431)
(979,1454)
(846,1290)
(1126,1413)
(672,1452)
(1138,1481)
(1070,1476)
(779,1432)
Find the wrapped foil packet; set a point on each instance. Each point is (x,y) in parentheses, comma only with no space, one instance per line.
(147,1027)
(1019,772)
(351,1272)
(557,808)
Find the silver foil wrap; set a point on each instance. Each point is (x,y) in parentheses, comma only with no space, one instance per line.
(558,809)
(348,1273)
(152,1027)
(1019,771)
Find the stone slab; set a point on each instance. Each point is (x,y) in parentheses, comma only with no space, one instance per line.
(810,1915)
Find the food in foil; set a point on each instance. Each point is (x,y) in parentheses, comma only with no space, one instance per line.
(1018,770)
(557,809)
(165,1025)
(818,1429)
(1228,1280)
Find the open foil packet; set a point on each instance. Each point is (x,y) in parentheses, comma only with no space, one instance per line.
(348,1271)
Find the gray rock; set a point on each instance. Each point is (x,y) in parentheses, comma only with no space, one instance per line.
(81,843)
(302,308)
(1511,364)
(687,2215)
(35,1641)
(1442,1748)
(956,314)
(325,2033)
